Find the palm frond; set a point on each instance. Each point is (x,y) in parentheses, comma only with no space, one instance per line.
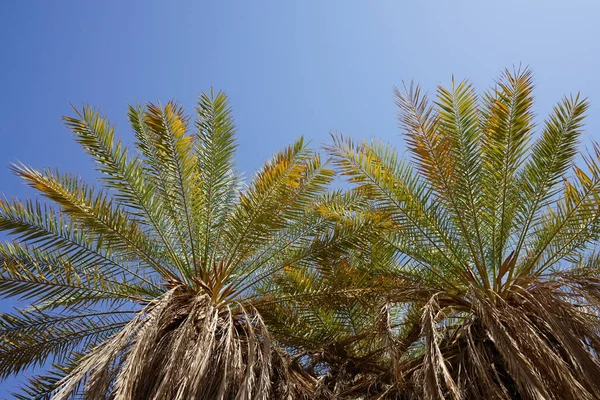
(424,226)
(507,125)
(491,248)
(171,241)
(98,213)
(174,151)
(459,119)
(30,337)
(281,189)
(42,386)
(217,182)
(41,227)
(29,274)
(124,173)
(572,225)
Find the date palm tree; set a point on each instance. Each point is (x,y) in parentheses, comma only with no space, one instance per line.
(145,287)
(495,291)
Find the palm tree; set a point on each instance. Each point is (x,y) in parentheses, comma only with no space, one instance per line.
(146,287)
(490,241)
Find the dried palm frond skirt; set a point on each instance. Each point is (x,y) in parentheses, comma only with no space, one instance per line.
(182,347)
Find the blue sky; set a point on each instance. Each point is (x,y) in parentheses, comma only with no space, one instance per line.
(290,68)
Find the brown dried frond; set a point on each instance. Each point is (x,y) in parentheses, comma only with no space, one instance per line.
(184,347)
(541,341)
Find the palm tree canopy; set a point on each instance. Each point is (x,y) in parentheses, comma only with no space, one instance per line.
(492,236)
(155,271)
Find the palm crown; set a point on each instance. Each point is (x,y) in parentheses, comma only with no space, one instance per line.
(151,275)
(491,240)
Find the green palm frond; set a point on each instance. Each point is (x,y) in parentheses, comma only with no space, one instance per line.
(152,127)
(31,337)
(396,189)
(217,181)
(459,117)
(573,225)
(43,385)
(279,192)
(29,274)
(41,226)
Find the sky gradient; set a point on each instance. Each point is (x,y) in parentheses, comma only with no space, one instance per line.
(289,68)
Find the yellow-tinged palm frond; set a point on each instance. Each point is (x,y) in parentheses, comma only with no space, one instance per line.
(330,319)
(177,171)
(125,175)
(571,226)
(99,215)
(423,227)
(507,124)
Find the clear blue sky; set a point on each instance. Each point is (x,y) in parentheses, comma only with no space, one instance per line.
(290,67)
